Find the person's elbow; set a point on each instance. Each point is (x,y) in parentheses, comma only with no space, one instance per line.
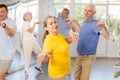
(107,36)
(11,34)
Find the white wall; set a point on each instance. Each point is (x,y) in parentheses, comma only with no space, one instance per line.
(113,48)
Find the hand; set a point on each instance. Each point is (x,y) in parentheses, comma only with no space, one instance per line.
(44,56)
(2,24)
(99,24)
(73,36)
(37,22)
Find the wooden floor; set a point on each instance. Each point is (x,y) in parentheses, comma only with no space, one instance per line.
(102,70)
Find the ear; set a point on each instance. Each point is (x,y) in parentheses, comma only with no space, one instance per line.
(94,12)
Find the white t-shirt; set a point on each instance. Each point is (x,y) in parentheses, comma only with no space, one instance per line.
(7,43)
(26,25)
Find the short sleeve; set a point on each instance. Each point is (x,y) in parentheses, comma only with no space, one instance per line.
(26,26)
(11,23)
(47,47)
(97,30)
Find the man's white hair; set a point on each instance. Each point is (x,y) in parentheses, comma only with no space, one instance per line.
(92,5)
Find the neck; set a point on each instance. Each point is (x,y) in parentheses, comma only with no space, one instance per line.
(64,18)
(4,18)
(90,19)
(54,34)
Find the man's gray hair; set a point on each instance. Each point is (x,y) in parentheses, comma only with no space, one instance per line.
(93,5)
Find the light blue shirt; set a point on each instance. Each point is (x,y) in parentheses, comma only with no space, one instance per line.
(7,43)
(63,27)
(88,38)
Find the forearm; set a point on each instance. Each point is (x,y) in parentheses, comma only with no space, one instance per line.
(76,26)
(105,32)
(9,31)
(31,29)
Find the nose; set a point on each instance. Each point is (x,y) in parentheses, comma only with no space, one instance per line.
(54,24)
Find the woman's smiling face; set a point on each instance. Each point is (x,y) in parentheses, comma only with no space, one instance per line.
(52,26)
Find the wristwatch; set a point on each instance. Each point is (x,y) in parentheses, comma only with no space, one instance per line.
(4,25)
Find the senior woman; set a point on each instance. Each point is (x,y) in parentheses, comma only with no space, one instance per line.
(29,42)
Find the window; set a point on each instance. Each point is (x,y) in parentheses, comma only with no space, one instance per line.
(82,1)
(105,9)
(58,9)
(114,1)
(16,12)
(61,1)
(100,1)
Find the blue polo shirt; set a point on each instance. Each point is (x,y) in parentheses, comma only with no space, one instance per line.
(88,38)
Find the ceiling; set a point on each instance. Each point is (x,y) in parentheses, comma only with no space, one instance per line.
(11,2)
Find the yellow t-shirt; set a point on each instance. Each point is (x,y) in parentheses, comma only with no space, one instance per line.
(59,62)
